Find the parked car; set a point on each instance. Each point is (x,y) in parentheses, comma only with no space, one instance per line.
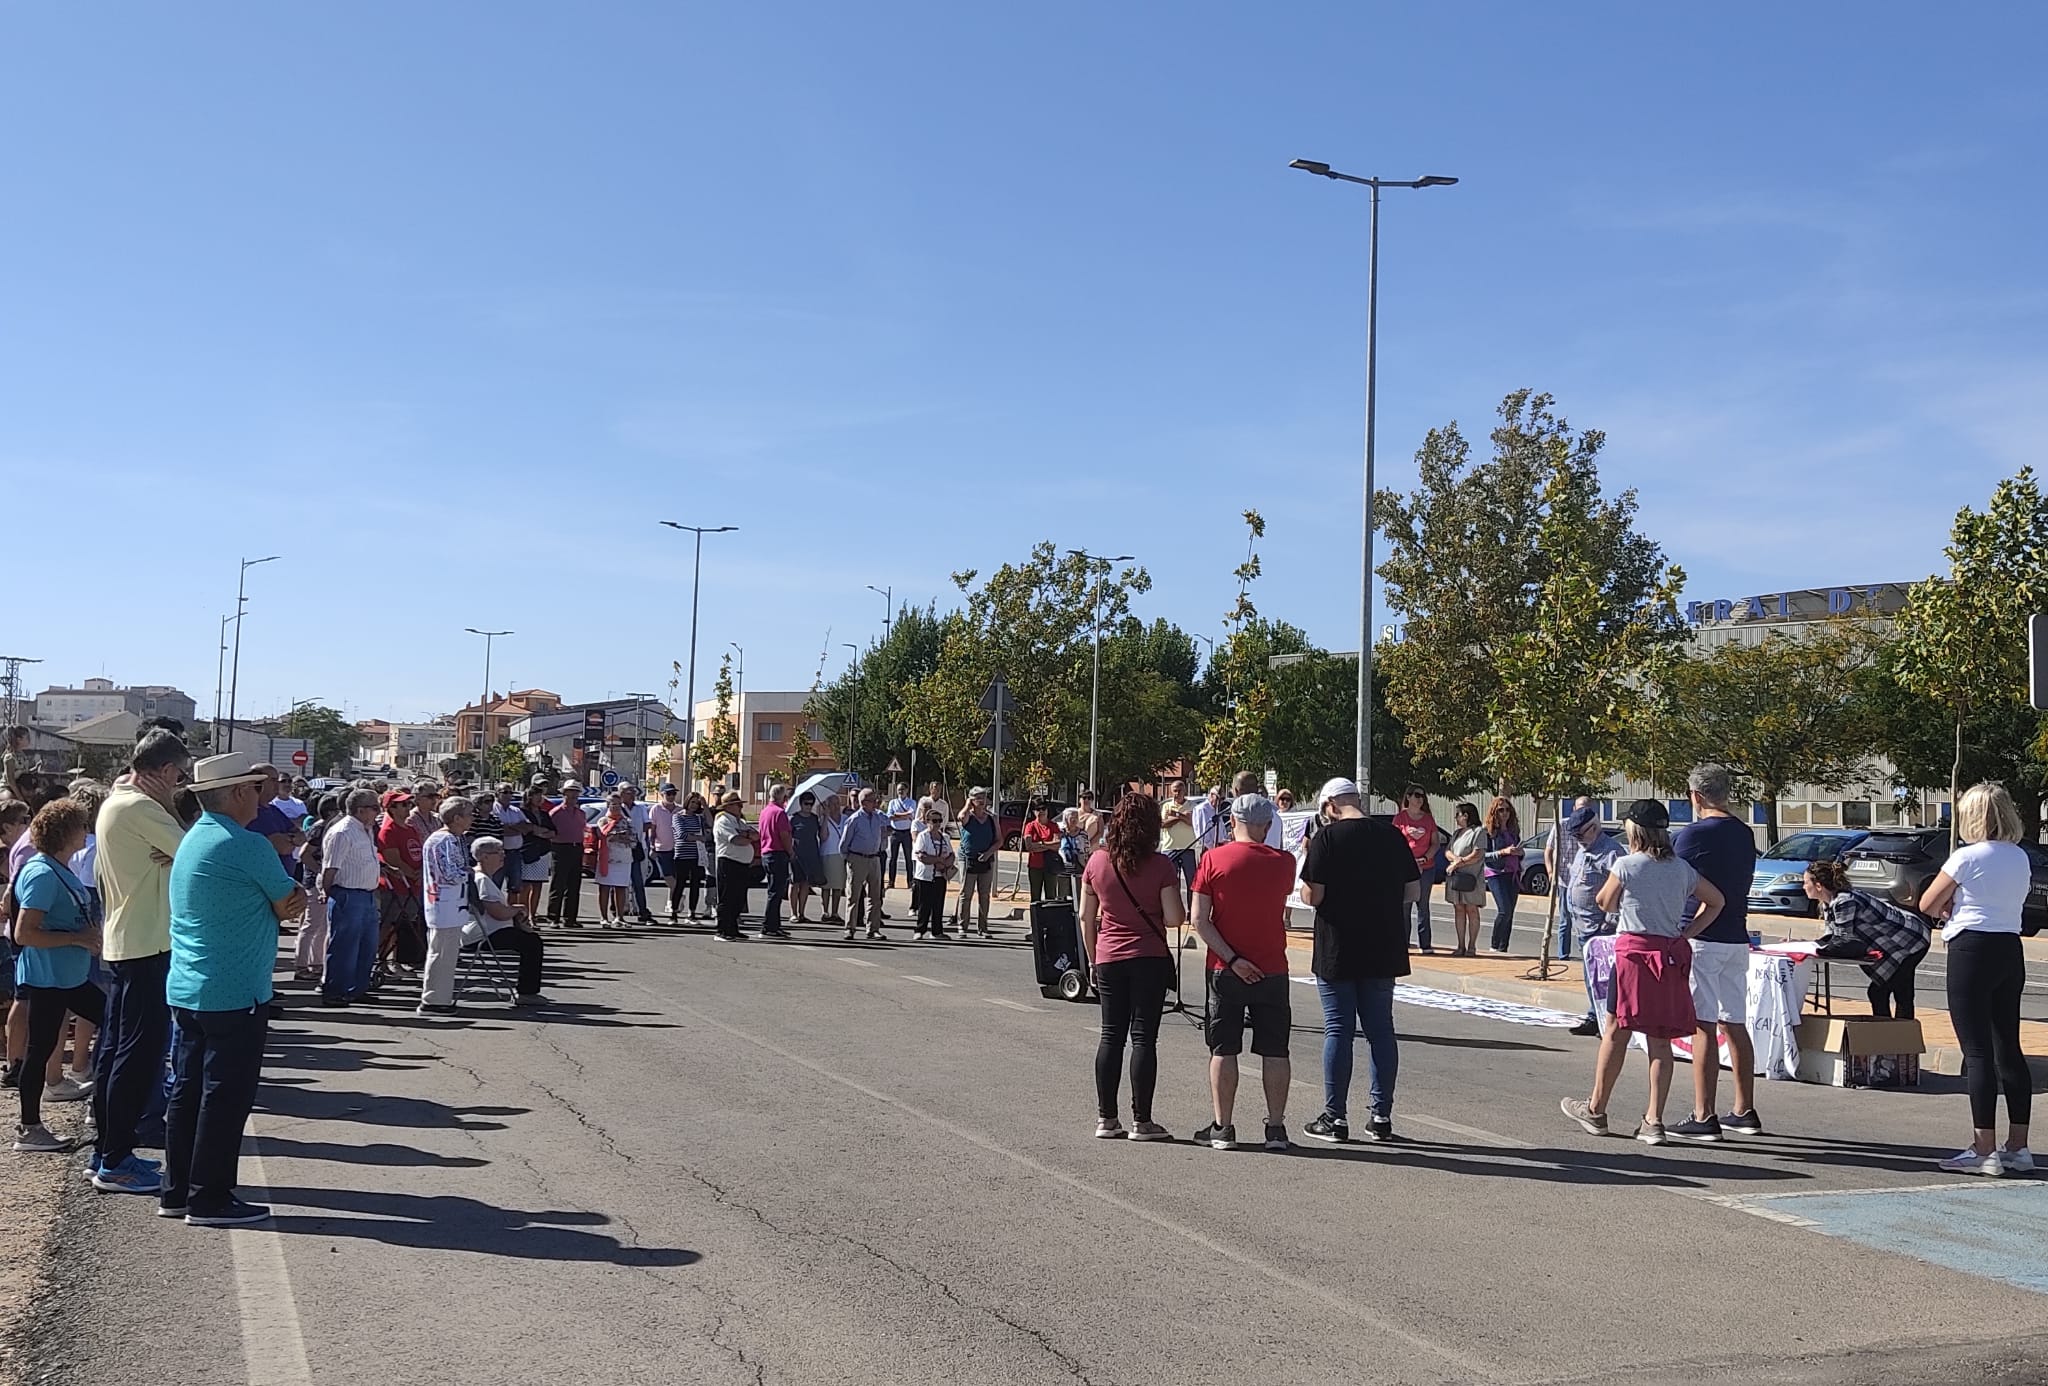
(1535,875)
(1778,886)
(1012,814)
(1897,863)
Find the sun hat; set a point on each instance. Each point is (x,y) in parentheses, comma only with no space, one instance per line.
(227,770)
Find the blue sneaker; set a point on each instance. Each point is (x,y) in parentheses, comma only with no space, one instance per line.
(130,1176)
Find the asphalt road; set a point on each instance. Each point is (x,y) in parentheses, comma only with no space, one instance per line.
(760,1162)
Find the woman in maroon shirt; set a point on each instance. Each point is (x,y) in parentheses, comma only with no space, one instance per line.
(1130,898)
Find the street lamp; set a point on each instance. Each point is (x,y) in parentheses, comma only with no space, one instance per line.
(220,682)
(1372,309)
(852,708)
(696,572)
(640,701)
(740,715)
(483,707)
(235,675)
(888,596)
(1095,691)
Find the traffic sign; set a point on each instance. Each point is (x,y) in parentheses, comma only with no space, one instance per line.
(300,758)
(997,698)
(895,766)
(988,740)
(609,778)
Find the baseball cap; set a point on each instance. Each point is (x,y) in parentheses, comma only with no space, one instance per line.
(1252,809)
(1336,789)
(394,796)
(1648,813)
(1581,819)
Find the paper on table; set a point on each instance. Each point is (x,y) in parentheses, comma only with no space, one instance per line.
(1790,948)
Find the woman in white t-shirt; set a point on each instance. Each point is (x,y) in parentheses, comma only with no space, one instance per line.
(1979,892)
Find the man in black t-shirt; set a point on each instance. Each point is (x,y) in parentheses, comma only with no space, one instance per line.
(1361,878)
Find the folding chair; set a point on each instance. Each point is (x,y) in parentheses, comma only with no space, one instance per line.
(480,957)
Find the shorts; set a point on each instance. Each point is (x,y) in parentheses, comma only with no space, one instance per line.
(1266,1000)
(1720,982)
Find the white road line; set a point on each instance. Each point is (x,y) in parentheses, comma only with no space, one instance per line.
(1470,1133)
(923,981)
(1010,1005)
(1472,1367)
(802,947)
(273,1345)
(860,962)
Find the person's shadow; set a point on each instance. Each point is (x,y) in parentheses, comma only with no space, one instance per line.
(445,1222)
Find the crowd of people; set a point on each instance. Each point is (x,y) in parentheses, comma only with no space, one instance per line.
(143,921)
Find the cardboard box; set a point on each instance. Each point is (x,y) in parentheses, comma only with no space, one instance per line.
(1860,1052)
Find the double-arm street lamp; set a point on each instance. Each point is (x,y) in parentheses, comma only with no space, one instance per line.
(1102,566)
(1372,308)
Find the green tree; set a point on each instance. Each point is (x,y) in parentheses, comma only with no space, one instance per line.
(1149,714)
(2001,741)
(334,738)
(1231,739)
(880,680)
(1782,712)
(505,762)
(1571,691)
(1467,565)
(718,741)
(1961,642)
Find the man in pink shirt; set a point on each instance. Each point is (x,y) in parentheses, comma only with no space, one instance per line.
(776,841)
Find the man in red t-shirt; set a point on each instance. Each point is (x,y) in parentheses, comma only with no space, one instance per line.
(1241,891)
(398,886)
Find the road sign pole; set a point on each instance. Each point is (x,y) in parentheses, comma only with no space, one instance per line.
(2037,665)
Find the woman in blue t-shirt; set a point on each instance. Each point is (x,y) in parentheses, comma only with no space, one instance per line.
(56,936)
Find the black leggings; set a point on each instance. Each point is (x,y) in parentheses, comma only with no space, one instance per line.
(47,1009)
(1985,975)
(1894,999)
(1133,994)
(689,874)
(931,907)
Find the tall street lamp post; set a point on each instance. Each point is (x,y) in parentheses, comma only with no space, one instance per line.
(739,716)
(696,573)
(235,673)
(1372,308)
(888,596)
(483,706)
(1095,690)
(852,708)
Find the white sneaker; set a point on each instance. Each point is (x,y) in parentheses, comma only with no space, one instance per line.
(2019,1161)
(67,1089)
(1970,1162)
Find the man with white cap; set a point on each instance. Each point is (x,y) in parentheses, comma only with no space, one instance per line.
(1361,878)
(229,892)
(1241,913)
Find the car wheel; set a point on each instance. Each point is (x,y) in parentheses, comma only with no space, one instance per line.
(1536,882)
(1014,842)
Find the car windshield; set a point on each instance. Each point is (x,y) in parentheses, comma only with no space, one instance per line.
(1807,847)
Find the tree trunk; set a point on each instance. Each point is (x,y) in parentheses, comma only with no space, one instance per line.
(1771,817)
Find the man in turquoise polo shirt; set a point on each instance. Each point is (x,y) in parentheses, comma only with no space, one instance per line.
(229,892)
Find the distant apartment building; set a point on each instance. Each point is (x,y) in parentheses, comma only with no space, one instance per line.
(488,723)
(406,745)
(66,707)
(767,723)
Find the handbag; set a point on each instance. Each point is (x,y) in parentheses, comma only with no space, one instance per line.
(1463,881)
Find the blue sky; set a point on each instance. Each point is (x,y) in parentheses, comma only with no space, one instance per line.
(449,303)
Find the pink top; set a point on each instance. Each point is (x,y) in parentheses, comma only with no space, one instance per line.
(775,833)
(1421,834)
(1130,925)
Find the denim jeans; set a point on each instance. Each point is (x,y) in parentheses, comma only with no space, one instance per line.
(1564,934)
(777,866)
(640,888)
(1505,891)
(1422,911)
(352,931)
(219,1062)
(1349,1007)
(131,1053)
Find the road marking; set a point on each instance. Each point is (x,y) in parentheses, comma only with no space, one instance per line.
(802,947)
(1011,1005)
(860,962)
(1470,1133)
(1472,1367)
(273,1343)
(923,981)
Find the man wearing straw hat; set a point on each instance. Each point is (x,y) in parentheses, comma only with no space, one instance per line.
(229,892)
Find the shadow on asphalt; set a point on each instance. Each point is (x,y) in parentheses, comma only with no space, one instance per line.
(447,1223)
(388,1156)
(377,1109)
(1550,1165)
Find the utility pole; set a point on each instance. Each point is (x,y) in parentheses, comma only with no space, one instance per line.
(10,679)
(1095,689)
(852,710)
(696,573)
(235,672)
(483,707)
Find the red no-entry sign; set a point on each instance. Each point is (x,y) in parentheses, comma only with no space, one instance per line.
(300,758)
